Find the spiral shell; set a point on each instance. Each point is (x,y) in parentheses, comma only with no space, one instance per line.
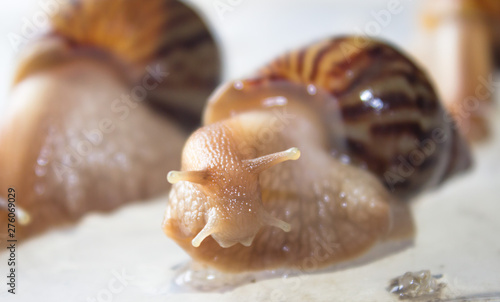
(380,110)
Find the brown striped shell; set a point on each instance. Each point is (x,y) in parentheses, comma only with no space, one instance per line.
(351,109)
(134,37)
(380,109)
(101,106)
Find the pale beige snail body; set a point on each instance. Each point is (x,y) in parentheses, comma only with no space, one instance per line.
(101,105)
(346,116)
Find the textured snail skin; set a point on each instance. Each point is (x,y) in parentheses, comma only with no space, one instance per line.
(369,103)
(75,139)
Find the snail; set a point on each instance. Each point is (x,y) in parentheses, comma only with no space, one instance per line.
(101,105)
(462,51)
(290,168)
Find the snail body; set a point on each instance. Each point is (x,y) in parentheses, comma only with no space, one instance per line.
(97,104)
(236,205)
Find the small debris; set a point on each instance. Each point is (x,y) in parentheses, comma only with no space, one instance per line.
(416,284)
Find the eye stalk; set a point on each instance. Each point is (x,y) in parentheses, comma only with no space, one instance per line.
(197,177)
(255,165)
(265,162)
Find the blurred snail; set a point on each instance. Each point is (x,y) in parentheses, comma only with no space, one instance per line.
(101,105)
(461,47)
(291,166)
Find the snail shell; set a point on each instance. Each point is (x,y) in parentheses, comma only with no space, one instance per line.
(231,207)
(377,105)
(101,106)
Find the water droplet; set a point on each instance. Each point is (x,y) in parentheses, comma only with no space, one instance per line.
(238,85)
(40,171)
(376,103)
(42,161)
(416,284)
(311,89)
(366,95)
(345,159)
(275,101)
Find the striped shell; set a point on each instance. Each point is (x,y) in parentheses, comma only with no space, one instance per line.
(380,109)
(132,36)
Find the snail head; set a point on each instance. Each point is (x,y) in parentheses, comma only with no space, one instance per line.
(227,182)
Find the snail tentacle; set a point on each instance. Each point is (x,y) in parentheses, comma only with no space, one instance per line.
(273,221)
(265,162)
(198,177)
(207,230)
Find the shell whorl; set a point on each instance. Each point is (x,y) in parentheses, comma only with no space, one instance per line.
(132,35)
(380,110)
